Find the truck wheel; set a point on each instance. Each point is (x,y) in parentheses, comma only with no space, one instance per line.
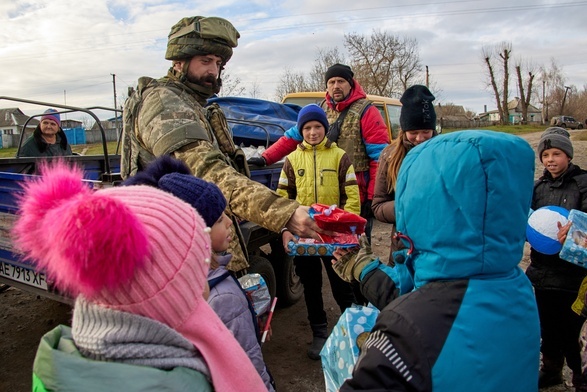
(580,126)
(289,289)
(262,266)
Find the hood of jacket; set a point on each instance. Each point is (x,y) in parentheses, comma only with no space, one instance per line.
(58,365)
(356,93)
(463,198)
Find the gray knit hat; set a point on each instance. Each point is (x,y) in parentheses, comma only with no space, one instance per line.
(555,137)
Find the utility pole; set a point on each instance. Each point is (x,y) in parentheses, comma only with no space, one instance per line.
(427,77)
(564,98)
(544,119)
(115,107)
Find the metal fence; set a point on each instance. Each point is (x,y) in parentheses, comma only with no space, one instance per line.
(92,136)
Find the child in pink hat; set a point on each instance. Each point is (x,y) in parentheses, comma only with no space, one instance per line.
(226,298)
(136,260)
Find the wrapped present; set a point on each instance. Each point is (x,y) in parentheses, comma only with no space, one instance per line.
(574,248)
(337,220)
(342,348)
(311,247)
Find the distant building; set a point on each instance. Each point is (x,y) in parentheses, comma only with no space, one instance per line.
(12,122)
(515,113)
(110,123)
(66,124)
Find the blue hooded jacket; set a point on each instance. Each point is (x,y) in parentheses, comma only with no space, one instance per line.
(470,322)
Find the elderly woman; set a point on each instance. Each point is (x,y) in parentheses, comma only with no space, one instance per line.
(48,139)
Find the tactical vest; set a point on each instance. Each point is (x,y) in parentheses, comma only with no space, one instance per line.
(350,138)
(135,155)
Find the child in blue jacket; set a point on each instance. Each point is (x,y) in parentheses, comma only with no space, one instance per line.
(458,313)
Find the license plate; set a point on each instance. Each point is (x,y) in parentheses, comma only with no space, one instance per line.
(23,275)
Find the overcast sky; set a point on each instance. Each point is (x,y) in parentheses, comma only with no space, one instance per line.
(65,51)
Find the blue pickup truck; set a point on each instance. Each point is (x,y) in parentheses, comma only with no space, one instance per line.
(253,123)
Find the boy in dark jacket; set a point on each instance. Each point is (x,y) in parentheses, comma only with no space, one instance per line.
(556,281)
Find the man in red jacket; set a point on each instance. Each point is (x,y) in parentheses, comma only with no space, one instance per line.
(355,125)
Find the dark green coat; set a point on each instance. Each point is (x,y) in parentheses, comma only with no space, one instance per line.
(35,146)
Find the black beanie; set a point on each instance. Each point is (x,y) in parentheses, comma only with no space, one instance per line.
(340,70)
(555,137)
(417,109)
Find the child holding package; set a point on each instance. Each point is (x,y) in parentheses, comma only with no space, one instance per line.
(136,260)
(319,172)
(556,281)
(226,298)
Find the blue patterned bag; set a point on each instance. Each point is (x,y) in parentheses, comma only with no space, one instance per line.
(342,348)
(574,248)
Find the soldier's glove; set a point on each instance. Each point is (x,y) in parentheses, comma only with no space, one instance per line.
(350,266)
(257,161)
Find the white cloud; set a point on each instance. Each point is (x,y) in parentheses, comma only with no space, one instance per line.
(57,50)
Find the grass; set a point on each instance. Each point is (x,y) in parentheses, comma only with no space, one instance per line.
(513,129)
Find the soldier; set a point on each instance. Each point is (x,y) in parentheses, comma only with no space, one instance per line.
(167,116)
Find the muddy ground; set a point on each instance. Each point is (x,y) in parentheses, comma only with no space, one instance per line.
(25,318)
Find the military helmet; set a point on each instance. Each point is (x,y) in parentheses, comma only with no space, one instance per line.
(200,35)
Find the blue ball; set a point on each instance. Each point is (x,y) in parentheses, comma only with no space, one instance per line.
(542,229)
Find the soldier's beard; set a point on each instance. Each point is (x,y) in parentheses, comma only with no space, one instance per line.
(208,81)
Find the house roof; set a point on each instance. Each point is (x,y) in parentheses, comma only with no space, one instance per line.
(516,104)
(15,117)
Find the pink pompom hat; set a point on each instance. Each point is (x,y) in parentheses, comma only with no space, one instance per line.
(136,249)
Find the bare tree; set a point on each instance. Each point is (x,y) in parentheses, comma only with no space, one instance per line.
(383,63)
(324,59)
(290,82)
(255,90)
(87,121)
(408,62)
(503,51)
(231,86)
(525,94)
(553,84)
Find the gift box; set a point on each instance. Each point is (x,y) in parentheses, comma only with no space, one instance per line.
(311,247)
(342,348)
(574,248)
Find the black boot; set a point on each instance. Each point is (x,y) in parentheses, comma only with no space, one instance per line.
(320,334)
(549,379)
(551,372)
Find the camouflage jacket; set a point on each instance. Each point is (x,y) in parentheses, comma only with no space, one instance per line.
(165,118)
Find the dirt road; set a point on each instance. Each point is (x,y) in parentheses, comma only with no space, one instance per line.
(25,318)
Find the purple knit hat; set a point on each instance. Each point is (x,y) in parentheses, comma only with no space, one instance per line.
(53,115)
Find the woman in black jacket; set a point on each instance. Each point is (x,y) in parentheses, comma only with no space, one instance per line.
(48,138)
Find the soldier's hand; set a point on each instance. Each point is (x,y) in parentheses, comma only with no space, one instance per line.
(286,237)
(257,161)
(350,262)
(302,225)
